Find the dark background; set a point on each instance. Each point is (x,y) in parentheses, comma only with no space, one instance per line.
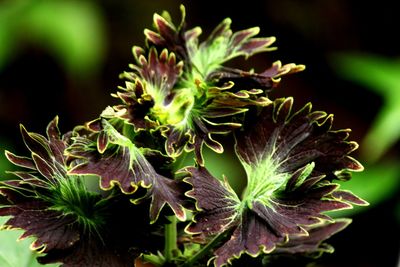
(35,86)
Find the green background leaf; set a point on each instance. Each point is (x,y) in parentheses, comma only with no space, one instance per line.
(72,31)
(15,253)
(382,76)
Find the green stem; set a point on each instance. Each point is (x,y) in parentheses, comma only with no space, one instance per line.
(170,244)
(204,251)
(170,230)
(153,259)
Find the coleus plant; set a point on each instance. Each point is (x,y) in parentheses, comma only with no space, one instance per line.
(177,97)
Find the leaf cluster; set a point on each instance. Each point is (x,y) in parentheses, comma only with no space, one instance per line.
(178,96)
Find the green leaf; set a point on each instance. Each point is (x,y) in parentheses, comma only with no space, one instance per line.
(4,163)
(375,72)
(17,253)
(71,30)
(10,12)
(380,75)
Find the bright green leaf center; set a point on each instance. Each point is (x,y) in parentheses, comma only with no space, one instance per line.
(263,180)
(176,111)
(71,197)
(209,58)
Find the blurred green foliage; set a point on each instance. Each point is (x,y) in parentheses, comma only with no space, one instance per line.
(72,31)
(382,76)
(381,178)
(4,163)
(17,254)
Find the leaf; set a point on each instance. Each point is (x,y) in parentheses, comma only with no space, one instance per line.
(65,239)
(51,228)
(10,14)
(71,30)
(377,183)
(312,243)
(252,236)
(69,223)
(257,228)
(13,253)
(180,87)
(222,45)
(280,143)
(225,165)
(290,159)
(123,164)
(382,76)
(168,35)
(160,72)
(375,72)
(218,203)
(247,81)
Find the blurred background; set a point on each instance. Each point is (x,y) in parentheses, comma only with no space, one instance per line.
(63,57)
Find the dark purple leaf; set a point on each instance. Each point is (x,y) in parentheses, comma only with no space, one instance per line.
(70,224)
(254,45)
(56,144)
(102,142)
(20,161)
(217,202)
(167,191)
(251,236)
(124,234)
(290,160)
(51,228)
(164,27)
(154,38)
(313,242)
(36,143)
(123,164)
(242,35)
(44,168)
(294,140)
(345,195)
(161,71)
(168,35)
(116,167)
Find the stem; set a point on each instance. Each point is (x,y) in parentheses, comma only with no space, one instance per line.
(170,231)
(170,244)
(204,251)
(153,259)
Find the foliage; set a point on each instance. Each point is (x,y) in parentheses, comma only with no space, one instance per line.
(179,96)
(380,75)
(69,30)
